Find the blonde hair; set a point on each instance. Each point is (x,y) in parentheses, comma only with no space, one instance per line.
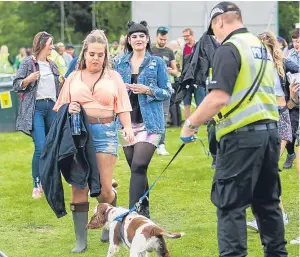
(96,36)
(122,44)
(270,40)
(4,50)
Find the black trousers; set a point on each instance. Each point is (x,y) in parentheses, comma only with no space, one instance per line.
(247,175)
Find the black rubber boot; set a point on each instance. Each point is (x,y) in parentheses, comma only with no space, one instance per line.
(80,219)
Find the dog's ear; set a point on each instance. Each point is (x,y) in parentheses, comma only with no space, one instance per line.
(98,220)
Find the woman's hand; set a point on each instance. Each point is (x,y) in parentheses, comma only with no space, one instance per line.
(138,88)
(74,107)
(33,77)
(128,134)
(294,91)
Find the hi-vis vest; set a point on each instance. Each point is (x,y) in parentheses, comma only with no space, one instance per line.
(5,66)
(263,105)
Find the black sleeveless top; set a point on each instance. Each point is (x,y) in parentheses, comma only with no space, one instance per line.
(136,116)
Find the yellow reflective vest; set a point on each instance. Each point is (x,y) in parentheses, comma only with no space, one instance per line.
(263,105)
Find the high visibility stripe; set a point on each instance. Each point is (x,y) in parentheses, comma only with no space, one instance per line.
(245,113)
(239,95)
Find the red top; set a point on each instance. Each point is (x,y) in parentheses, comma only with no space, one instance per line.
(187,50)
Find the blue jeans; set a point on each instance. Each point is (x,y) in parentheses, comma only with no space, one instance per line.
(199,94)
(166,105)
(42,120)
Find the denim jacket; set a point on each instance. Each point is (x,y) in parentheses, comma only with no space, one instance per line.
(156,77)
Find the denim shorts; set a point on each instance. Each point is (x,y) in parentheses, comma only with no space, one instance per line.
(105,137)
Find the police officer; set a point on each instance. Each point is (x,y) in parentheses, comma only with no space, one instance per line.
(243,102)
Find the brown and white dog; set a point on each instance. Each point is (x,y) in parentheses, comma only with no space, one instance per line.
(141,234)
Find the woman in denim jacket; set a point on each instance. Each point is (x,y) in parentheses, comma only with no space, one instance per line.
(38,81)
(148,85)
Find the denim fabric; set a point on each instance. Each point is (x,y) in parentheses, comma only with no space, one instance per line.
(155,76)
(42,120)
(166,105)
(105,138)
(199,94)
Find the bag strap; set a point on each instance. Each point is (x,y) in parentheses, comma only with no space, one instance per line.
(255,84)
(33,65)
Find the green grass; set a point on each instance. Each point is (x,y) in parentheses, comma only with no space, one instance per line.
(179,202)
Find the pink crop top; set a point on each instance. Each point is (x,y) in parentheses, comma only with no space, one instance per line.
(109,94)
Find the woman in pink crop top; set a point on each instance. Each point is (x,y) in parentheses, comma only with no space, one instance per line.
(102,93)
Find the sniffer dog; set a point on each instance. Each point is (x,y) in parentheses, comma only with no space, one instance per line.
(139,233)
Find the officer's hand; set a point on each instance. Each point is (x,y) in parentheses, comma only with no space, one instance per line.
(187,135)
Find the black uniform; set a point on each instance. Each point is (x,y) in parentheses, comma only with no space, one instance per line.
(246,172)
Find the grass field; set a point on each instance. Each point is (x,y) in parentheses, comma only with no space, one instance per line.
(179,202)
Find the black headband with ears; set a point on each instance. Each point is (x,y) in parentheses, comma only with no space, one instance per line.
(137,27)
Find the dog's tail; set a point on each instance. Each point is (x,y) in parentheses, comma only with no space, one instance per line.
(154,230)
(172,235)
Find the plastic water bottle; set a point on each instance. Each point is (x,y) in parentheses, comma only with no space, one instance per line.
(75,124)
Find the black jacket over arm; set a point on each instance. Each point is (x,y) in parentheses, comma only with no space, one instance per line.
(74,156)
(196,65)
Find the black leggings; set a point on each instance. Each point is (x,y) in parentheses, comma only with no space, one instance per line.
(138,158)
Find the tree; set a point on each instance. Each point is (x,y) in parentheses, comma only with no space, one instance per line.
(112,17)
(288,17)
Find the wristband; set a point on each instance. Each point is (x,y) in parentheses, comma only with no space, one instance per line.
(188,139)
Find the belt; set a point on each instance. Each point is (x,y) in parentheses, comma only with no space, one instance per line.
(258,127)
(101,120)
(45,99)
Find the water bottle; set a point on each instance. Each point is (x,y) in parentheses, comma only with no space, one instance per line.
(75,124)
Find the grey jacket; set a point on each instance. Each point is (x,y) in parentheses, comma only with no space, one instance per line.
(27,104)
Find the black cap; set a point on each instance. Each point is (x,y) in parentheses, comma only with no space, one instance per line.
(221,8)
(68,46)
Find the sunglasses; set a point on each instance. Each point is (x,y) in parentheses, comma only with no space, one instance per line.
(164,29)
(43,36)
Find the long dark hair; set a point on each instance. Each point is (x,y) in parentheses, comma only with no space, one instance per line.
(137,27)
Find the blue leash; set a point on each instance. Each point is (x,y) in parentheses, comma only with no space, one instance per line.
(137,206)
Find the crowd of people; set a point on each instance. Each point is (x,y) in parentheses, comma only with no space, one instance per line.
(125,91)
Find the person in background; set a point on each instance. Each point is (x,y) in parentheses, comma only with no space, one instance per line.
(60,48)
(19,58)
(294,56)
(38,79)
(198,92)
(148,84)
(6,61)
(294,93)
(283,45)
(102,94)
(190,42)
(121,50)
(70,50)
(28,51)
(161,50)
(114,50)
(60,63)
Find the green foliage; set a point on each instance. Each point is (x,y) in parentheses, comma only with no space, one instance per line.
(288,15)
(113,17)
(20,21)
